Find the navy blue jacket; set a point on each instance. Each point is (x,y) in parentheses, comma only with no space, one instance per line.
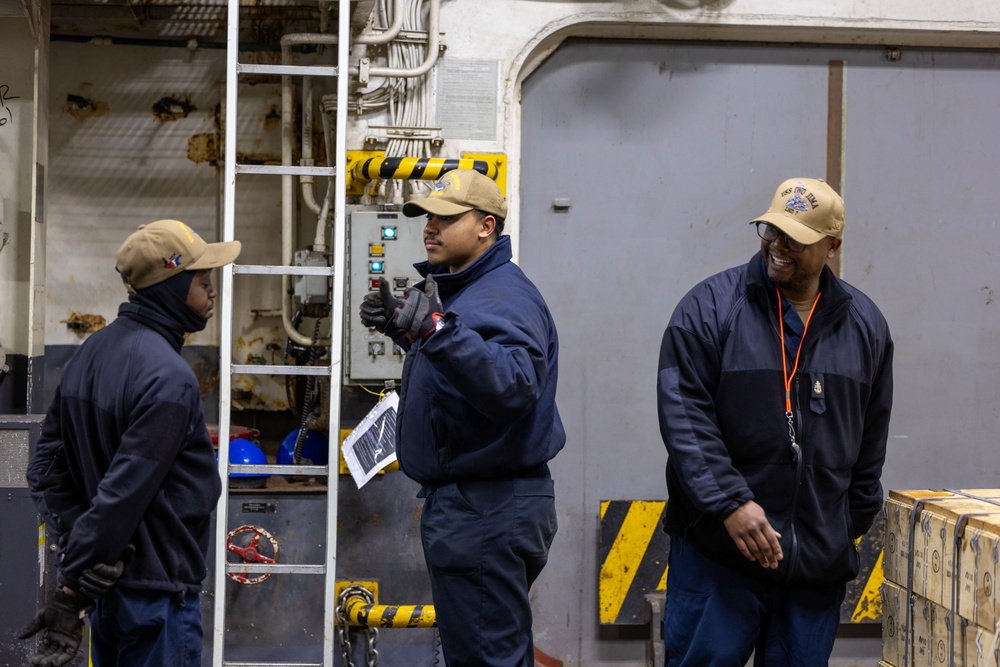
(722,417)
(125,457)
(478,397)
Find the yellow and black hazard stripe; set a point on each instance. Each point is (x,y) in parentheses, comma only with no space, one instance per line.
(633,557)
(359,613)
(427,168)
(863,603)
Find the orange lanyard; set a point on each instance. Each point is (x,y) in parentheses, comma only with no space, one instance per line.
(784,364)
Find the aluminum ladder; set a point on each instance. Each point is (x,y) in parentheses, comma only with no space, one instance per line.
(334,371)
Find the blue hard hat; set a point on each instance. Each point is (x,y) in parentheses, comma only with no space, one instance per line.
(245,452)
(316,448)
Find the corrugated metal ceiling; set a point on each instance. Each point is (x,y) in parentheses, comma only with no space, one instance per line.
(204,20)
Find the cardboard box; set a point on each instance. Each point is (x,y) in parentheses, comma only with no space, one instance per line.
(979,570)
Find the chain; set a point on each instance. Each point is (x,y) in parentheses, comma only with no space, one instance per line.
(371,653)
(343,631)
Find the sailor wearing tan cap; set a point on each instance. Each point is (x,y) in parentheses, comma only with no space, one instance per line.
(774,391)
(477,420)
(124,473)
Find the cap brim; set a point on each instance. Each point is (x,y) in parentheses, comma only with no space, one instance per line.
(435,205)
(216,255)
(794,229)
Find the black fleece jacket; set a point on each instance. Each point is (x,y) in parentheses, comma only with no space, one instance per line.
(721,403)
(125,457)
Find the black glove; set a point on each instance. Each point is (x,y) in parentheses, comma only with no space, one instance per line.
(61,625)
(98,580)
(420,313)
(378,307)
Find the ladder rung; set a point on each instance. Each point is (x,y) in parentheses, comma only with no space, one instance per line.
(287,169)
(266,369)
(271,664)
(282,270)
(276,469)
(274,568)
(293,70)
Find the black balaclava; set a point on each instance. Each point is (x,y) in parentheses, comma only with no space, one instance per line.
(165,303)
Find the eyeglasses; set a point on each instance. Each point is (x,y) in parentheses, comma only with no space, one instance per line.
(770,233)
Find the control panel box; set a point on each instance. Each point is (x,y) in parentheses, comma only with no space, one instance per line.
(382,244)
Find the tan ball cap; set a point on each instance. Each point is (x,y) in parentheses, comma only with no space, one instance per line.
(807,209)
(164,248)
(457,192)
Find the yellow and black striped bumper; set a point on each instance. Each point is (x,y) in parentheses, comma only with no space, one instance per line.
(633,557)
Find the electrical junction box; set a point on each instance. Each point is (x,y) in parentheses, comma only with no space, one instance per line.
(310,290)
(383,244)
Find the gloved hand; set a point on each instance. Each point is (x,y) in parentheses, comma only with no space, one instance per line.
(61,625)
(378,307)
(98,580)
(420,313)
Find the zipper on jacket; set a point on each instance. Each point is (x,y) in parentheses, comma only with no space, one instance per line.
(799,464)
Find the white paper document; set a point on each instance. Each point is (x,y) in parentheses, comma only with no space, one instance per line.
(372,445)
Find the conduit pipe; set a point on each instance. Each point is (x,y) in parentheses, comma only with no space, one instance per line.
(365,71)
(391,33)
(287,184)
(306,181)
(287,130)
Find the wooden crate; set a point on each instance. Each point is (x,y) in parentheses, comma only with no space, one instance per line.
(931,546)
(898,509)
(894,622)
(981,647)
(978,600)
(947,584)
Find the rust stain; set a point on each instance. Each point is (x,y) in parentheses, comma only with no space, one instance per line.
(81,107)
(208,377)
(167,109)
(989,294)
(84,323)
(319,146)
(273,116)
(257,158)
(204,147)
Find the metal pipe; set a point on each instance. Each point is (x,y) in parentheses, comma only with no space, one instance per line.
(421,168)
(390,34)
(288,203)
(319,240)
(307,182)
(361,614)
(365,72)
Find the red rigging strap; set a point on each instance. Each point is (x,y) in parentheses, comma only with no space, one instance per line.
(784,364)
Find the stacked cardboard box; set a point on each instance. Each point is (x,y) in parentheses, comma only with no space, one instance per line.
(940,605)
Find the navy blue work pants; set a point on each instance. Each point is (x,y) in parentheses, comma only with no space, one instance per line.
(485,542)
(717,617)
(146,629)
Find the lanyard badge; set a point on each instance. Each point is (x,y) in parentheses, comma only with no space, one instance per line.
(784,367)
